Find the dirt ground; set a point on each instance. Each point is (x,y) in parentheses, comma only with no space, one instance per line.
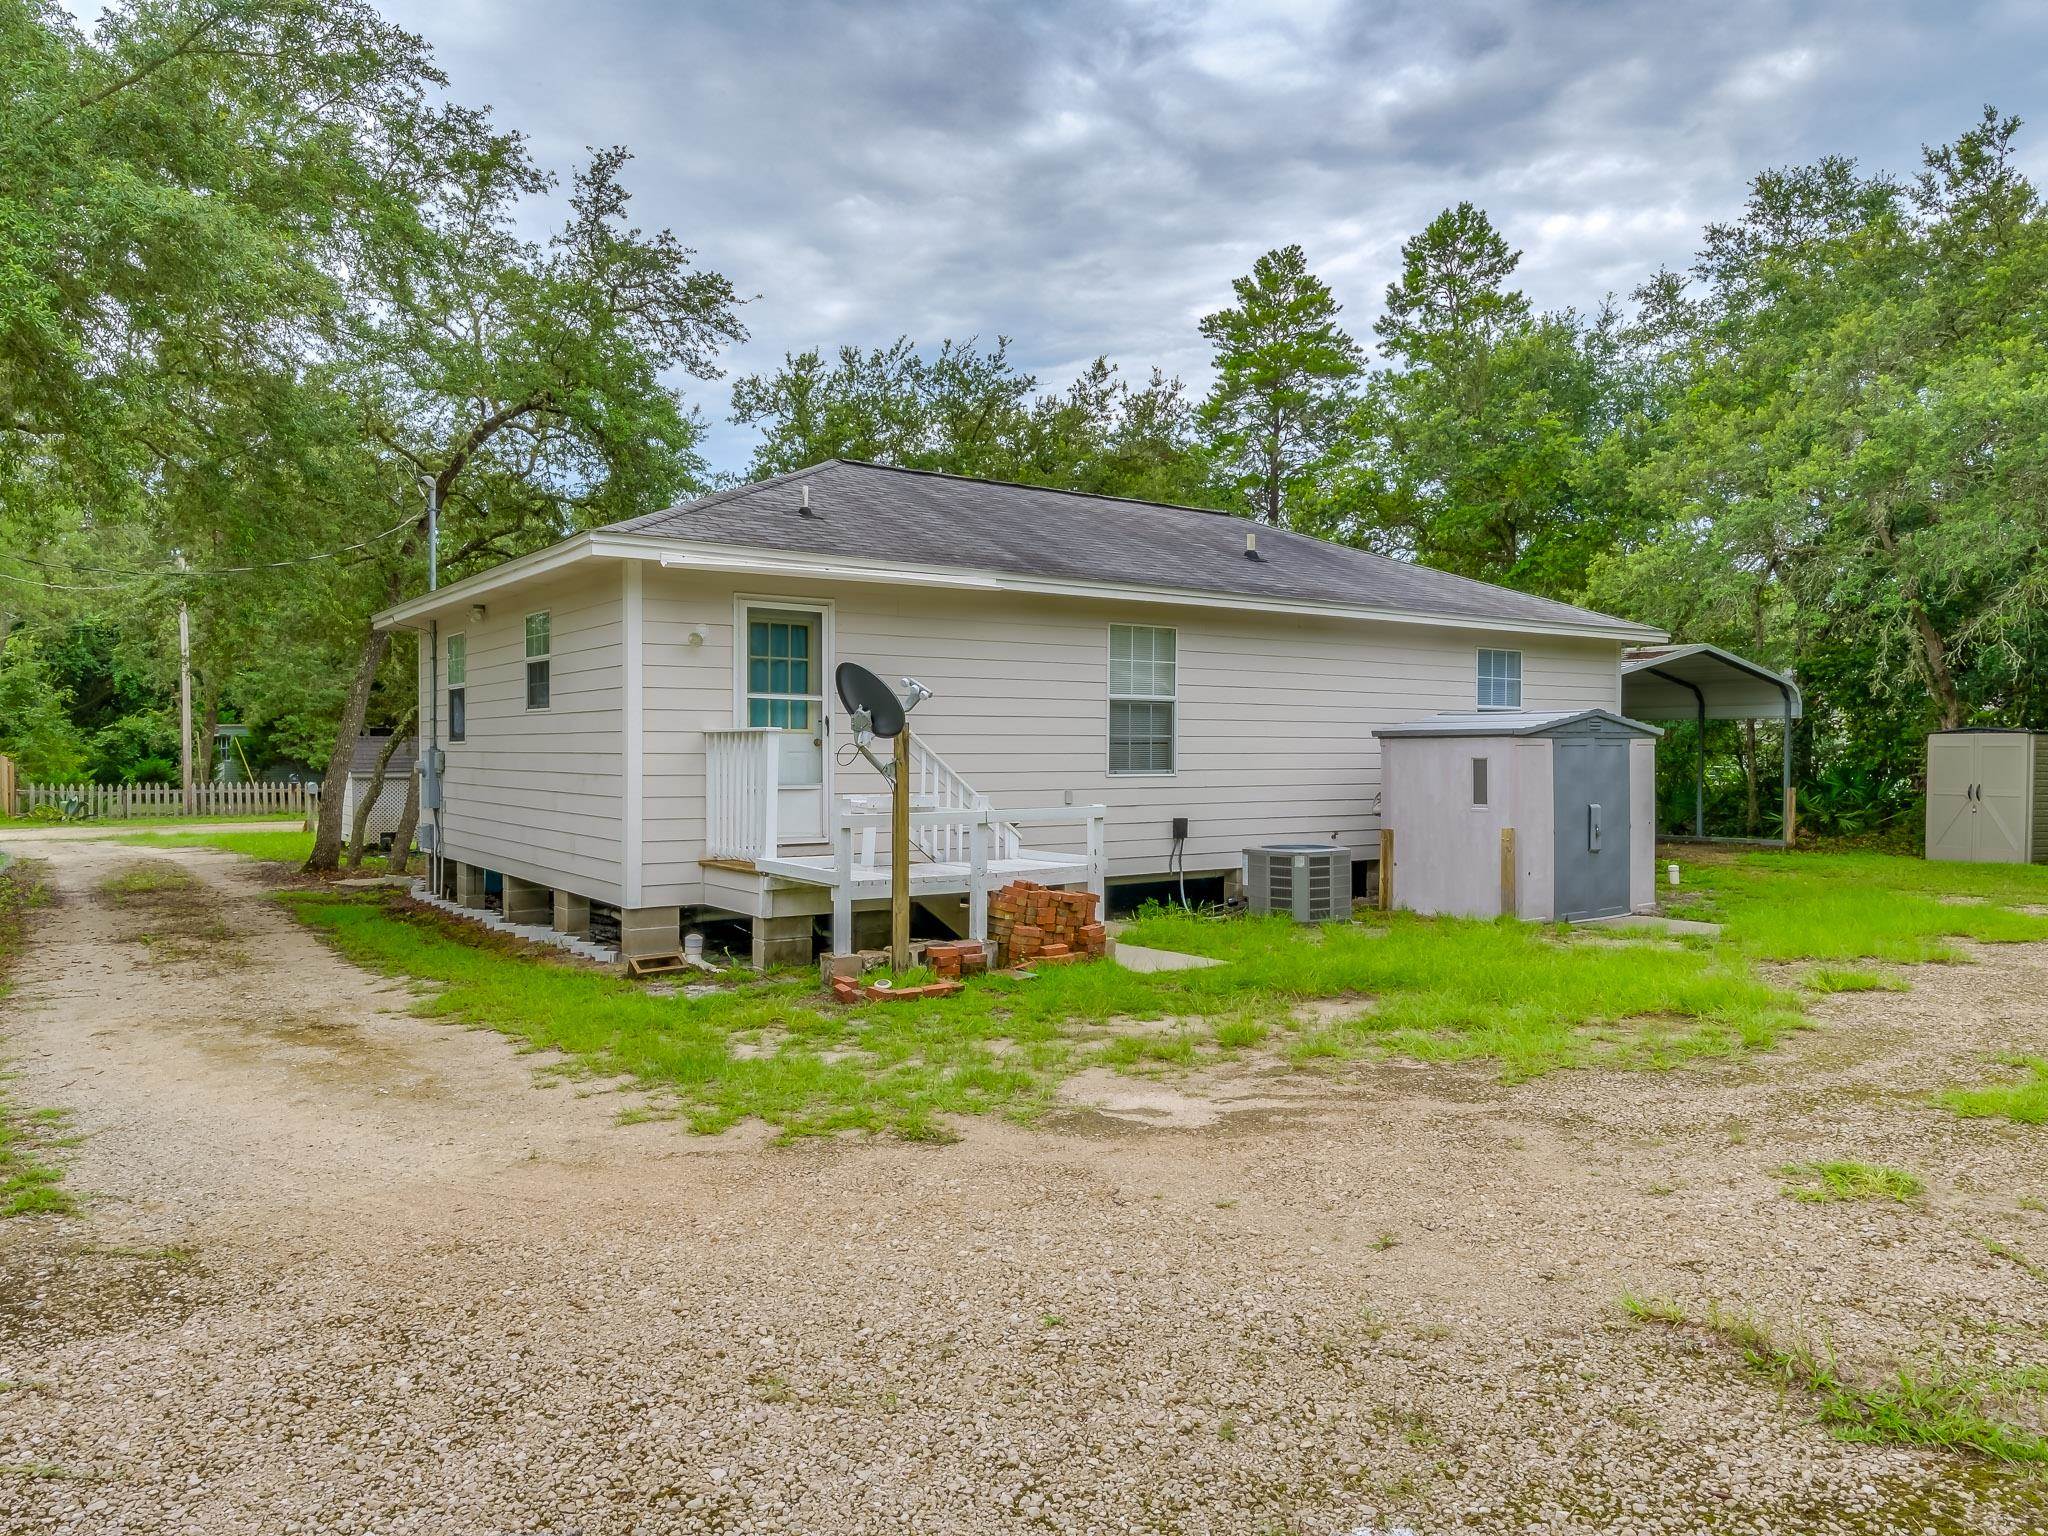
(342,1270)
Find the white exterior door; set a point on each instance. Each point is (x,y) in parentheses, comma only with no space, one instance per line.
(783,666)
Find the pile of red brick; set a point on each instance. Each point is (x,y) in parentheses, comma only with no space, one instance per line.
(955,958)
(1033,925)
(848,989)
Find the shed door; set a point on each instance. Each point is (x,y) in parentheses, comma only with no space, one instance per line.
(2002,799)
(1951,804)
(1592,827)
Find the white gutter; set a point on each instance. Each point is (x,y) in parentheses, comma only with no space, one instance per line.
(677,554)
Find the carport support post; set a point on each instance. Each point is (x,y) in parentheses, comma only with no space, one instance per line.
(1791,806)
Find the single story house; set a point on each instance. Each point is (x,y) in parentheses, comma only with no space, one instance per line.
(637,725)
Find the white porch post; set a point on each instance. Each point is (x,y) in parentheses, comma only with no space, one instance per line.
(1098,865)
(842,887)
(771,790)
(977,879)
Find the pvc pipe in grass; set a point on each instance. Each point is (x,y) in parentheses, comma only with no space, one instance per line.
(1672,873)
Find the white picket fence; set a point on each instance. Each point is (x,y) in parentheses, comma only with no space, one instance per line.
(120,802)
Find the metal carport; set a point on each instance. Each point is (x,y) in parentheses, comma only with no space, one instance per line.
(1702,683)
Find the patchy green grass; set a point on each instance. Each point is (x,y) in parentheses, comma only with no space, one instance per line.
(1448,989)
(1989,1411)
(1827,979)
(1828,1182)
(29,1182)
(1861,906)
(2024,1102)
(139,880)
(287,845)
(777,1050)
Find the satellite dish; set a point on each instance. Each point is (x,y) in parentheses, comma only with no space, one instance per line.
(864,693)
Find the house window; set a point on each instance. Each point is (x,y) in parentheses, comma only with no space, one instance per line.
(1141,698)
(1500,679)
(536,661)
(458,686)
(782,688)
(1479,783)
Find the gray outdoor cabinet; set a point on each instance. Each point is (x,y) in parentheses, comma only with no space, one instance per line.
(1987,796)
(1543,816)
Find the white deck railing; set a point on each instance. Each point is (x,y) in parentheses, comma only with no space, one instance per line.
(935,783)
(977,829)
(742,783)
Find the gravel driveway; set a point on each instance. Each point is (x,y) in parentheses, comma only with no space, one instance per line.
(341,1270)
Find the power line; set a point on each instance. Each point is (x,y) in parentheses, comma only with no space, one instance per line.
(216,570)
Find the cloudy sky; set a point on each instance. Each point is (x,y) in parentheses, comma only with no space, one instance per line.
(1086,176)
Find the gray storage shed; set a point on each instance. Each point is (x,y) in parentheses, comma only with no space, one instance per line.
(1987,796)
(1543,816)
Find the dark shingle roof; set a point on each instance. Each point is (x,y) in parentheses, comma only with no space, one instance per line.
(872,511)
(362,761)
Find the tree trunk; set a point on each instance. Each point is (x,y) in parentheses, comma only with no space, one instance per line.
(326,854)
(209,722)
(368,803)
(408,824)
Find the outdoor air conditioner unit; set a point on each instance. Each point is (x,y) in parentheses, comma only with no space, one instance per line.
(1310,882)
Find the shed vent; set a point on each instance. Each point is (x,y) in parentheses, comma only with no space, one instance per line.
(1310,882)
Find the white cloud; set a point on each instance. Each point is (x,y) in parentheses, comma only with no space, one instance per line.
(1087,175)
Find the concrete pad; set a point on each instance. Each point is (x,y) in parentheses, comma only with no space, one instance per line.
(1135,957)
(1654,923)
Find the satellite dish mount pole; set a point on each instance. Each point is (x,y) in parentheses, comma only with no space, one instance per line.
(899,855)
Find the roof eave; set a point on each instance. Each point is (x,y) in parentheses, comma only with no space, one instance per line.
(749,559)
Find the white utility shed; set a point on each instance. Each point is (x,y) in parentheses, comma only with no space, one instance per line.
(1987,796)
(1542,816)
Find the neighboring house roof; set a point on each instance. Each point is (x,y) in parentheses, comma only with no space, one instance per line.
(362,762)
(1512,722)
(919,517)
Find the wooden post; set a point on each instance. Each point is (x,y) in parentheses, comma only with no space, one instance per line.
(1386,869)
(899,856)
(1791,815)
(6,785)
(1510,904)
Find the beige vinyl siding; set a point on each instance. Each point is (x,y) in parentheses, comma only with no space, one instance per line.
(538,793)
(1274,715)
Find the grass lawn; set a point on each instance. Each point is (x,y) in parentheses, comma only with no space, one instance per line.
(1517,995)
(288,845)
(1859,906)
(28,1181)
(131,823)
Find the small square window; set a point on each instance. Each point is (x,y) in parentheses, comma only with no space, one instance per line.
(1500,679)
(1478,783)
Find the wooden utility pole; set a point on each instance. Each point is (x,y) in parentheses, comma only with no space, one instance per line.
(899,855)
(185,696)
